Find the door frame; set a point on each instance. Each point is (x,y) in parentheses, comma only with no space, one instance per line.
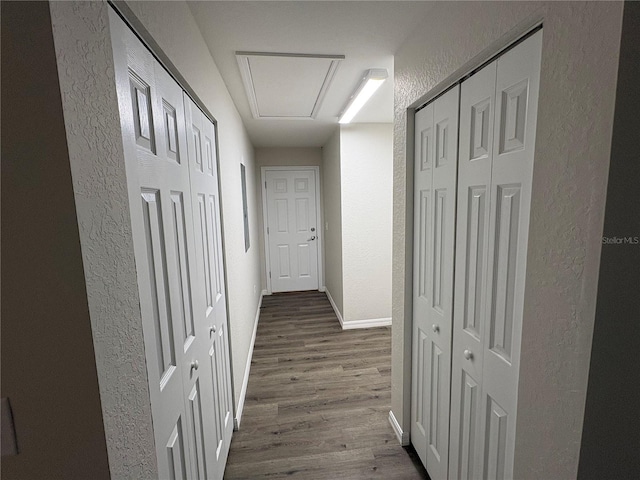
(265,220)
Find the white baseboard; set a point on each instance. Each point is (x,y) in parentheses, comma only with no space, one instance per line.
(367,323)
(335,307)
(402,437)
(322,289)
(245,380)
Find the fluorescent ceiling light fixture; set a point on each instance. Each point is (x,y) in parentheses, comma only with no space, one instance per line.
(370,82)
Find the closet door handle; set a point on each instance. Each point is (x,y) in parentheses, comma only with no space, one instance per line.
(194,365)
(468,354)
(435,328)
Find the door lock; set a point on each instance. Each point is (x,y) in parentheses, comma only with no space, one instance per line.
(313,229)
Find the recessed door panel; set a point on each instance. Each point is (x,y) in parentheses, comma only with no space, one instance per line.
(177,466)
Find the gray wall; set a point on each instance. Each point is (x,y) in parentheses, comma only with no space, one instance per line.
(48,363)
(611,435)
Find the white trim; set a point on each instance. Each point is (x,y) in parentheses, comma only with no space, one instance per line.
(403,437)
(247,80)
(335,307)
(265,219)
(366,323)
(353,324)
(247,369)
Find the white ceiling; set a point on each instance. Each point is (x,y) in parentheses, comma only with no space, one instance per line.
(367,33)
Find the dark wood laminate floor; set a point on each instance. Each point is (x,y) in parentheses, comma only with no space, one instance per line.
(318,399)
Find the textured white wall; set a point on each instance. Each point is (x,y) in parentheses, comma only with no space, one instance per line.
(281,157)
(575,112)
(366,170)
(333,218)
(92,122)
(173,27)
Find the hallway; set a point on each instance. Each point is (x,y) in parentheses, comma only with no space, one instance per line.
(318,399)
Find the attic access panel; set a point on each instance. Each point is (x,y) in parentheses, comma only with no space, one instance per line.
(286,85)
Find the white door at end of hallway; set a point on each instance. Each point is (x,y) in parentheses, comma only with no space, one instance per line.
(292,233)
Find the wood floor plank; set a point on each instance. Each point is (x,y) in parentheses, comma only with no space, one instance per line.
(318,399)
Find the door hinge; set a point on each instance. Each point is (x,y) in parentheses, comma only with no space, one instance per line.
(265,184)
(269,274)
(267,230)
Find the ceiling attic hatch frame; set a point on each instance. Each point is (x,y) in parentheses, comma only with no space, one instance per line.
(286,86)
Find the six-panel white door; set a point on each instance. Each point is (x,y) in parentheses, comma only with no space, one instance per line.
(497,138)
(292,236)
(436,144)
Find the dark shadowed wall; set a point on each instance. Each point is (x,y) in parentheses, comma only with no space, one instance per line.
(48,363)
(611,435)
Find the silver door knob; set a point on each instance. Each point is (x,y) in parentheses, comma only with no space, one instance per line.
(194,365)
(212,329)
(468,354)
(311,239)
(435,328)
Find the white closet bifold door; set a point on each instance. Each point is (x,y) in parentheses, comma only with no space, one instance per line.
(171,166)
(210,296)
(434,228)
(497,137)
(477,108)
(517,85)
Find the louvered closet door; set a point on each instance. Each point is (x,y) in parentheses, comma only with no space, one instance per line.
(477,108)
(158,176)
(210,296)
(434,229)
